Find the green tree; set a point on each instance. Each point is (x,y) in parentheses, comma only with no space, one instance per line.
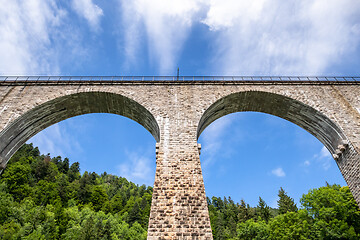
(219,226)
(116,203)
(42,198)
(136,232)
(16,176)
(285,203)
(134,214)
(62,187)
(244,211)
(291,225)
(98,197)
(88,231)
(50,228)
(252,230)
(45,192)
(6,204)
(145,205)
(9,230)
(74,172)
(84,192)
(334,210)
(263,210)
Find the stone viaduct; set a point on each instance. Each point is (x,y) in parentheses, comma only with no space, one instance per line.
(175,111)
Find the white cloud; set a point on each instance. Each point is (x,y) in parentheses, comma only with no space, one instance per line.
(131,23)
(211,137)
(324,158)
(26,28)
(324,153)
(251,37)
(90,11)
(278,172)
(138,167)
(36,36)
(216,128)
(56,140)
(277,37)
(248,37)
(226,14)
(167,25)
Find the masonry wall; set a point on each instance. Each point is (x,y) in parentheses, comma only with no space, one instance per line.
(172,112)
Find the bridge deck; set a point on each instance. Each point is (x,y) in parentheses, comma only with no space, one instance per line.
(103,80)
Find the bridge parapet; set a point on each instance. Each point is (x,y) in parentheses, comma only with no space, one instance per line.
(18,80)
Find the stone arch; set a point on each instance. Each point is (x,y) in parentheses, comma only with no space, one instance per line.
(284,107)
(315,122)
(61,108)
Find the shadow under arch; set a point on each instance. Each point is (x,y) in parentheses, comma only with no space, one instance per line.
(61,108)
(284,107)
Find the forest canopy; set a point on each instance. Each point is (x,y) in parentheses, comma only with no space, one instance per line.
(43,197)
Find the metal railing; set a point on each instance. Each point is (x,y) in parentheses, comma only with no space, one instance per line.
(54,79)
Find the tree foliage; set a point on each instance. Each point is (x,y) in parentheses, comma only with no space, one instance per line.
(285,203)
(47,198)
(328,212)
(263,210)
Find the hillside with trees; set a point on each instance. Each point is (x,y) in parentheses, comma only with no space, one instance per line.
(47,198)
(328,212)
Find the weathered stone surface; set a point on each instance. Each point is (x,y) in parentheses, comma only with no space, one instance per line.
(176,113)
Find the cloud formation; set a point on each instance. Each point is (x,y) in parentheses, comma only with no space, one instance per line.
(256,37)
(57,140)
(278,172)
(26,29)
(277,37)
(167,25)
(90,11)
(138,167)
(324,158)
(212,143)
(249,37)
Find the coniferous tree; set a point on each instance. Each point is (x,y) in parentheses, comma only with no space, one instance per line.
(263,210)
(219,227)
(42,198)
(244,212)
(285,203)
(74,172)
(134,214)
(64,167)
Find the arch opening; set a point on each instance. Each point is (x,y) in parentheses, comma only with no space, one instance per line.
(308,118)
(299,113)
(250,154)
(247,155)
(56,110)
(102,142)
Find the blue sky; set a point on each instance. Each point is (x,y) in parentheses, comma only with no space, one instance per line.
(244,155)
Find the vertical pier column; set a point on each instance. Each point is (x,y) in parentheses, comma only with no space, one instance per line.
(179,208)
(348,161)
